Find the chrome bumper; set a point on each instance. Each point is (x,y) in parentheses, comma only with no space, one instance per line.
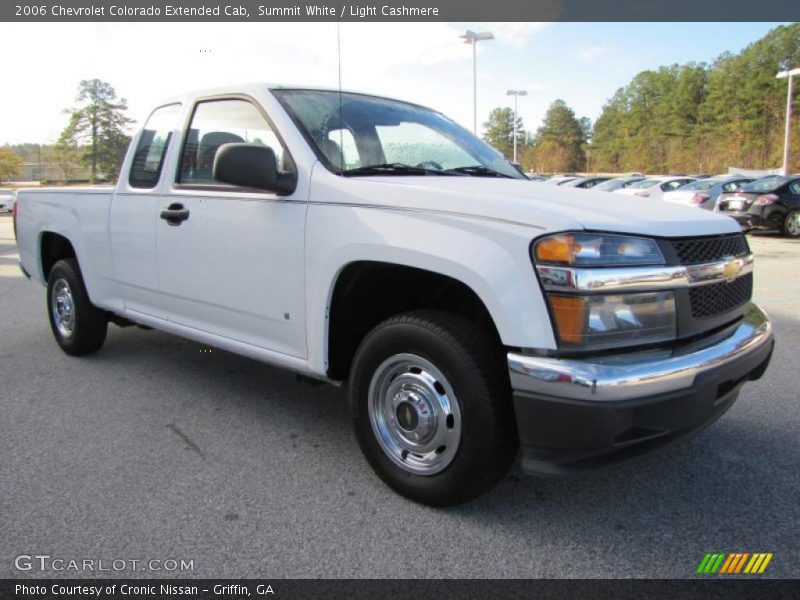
(640,374)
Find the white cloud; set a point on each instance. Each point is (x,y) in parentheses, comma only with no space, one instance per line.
(591,54)
(516,35)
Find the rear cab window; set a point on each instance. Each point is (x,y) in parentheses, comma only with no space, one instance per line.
(148,160)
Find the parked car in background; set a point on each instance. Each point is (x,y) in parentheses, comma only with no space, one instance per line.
(769,203)
(561,179)
(585,183)
(654,187)
(704,192)
(702,175)
(535,177)
(618,183)
(7,200)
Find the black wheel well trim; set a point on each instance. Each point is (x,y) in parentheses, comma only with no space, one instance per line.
(347,278)
(53,247)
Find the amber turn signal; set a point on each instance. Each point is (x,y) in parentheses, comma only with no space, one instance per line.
(570,315)
(556,249)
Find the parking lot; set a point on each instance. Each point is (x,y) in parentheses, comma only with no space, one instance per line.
(157,448)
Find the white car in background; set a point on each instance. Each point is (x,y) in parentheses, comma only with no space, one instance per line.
(654,187)
(703,193)
(618,183)
(7,198)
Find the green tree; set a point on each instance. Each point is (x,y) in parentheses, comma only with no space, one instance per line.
(10,164)
(499,131)
(559,141)
(96,128)
(66,156)
(698,117)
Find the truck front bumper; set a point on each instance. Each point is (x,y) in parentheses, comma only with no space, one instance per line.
(575,415)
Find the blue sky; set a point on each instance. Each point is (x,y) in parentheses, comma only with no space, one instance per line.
(585,63)
(582,63)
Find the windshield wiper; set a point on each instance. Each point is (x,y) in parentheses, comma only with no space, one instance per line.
(478,171)
(393,169)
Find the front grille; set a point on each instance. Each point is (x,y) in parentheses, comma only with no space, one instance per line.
(693,251)
(715,299)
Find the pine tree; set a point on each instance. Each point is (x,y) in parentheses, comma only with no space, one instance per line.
(97,129)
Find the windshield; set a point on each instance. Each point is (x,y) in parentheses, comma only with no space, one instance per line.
(354,134)
(767,184)
(644,183)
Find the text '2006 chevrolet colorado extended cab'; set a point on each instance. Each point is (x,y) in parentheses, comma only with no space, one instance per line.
(475,316)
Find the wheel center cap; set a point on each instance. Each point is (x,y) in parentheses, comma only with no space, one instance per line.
(407,416)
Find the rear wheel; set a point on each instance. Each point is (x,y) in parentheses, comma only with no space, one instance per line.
(432,407)
(791,224)
(78,326)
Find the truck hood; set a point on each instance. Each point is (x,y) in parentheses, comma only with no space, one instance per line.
(539,205)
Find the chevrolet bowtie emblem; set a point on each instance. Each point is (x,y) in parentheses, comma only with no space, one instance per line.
(732,269)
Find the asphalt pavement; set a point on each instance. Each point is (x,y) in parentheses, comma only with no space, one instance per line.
(156,448)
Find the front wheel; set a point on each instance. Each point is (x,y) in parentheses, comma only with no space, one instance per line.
(78,326)
(791,224)
(432,407)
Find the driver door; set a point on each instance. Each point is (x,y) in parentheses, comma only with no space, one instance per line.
(234,267)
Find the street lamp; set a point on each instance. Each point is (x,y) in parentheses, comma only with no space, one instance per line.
(470,37)
(783,75)
(516,94)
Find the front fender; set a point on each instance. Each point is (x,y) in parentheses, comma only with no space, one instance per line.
(491,259)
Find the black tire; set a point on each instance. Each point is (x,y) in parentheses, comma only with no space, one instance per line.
(475,369)
(89,323)
(790,226)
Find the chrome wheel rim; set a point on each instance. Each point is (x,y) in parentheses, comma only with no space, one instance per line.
(415,414)
(63,308)
(793,224)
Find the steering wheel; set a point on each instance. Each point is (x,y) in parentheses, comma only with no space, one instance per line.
(430,164)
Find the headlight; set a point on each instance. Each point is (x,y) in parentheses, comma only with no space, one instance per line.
(589,321)
(596,250)
(609,321)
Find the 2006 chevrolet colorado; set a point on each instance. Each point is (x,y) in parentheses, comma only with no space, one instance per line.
(475,316)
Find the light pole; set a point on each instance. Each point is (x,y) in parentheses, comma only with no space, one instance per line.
(783,75)
(470,37)
(516,94)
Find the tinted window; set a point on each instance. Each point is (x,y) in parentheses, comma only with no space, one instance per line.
(152,147)
(703,184)
(795,188)
(643,184)
(767,184)
(218,122)
(675,184)
(734,185)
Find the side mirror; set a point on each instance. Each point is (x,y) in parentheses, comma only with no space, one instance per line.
(251,166)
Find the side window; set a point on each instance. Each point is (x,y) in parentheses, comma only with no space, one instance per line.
(795,188)
(218,122)
(674,185)
(152,147)
(733,185)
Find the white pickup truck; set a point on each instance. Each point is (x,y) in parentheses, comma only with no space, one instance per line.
(475,317)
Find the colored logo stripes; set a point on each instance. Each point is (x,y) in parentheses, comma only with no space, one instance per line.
(734,563)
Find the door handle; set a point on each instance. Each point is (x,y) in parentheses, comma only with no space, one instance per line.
(175,214)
